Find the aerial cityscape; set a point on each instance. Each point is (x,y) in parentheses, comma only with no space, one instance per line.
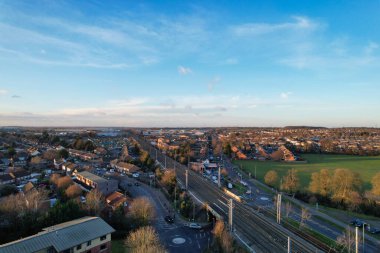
(189,126)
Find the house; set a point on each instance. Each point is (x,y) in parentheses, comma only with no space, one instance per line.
(87,234)
(116,199)
(126,168)
(69,167)
(20,175)
(283,154)
(6,179)
(105,186)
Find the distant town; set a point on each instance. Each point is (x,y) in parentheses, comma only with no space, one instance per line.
(177,184)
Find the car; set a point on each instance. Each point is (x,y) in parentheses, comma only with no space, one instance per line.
(137,184)
(374,230)
(195,226)
(129,184)
(169,219)
(358,223)
(135,175)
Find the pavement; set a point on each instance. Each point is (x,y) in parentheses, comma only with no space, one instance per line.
(176,237)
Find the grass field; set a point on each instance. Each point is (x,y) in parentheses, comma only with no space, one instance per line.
(366,166)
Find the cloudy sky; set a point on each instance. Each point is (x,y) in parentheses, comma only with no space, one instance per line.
(190,63)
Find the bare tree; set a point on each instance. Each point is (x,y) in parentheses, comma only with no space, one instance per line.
(94,201)
(290,181)
(288,209)
(64,182)
(305,216)
(73,191)
(271,178)
(344,182)
(376,184)
(142,209)
(347,239)
(144,240)
(223,237)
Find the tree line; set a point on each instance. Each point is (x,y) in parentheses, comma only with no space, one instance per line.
(339,188)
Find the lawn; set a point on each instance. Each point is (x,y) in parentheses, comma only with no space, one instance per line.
(118,246)
(366,166)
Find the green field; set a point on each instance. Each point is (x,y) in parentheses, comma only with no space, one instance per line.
(366,166)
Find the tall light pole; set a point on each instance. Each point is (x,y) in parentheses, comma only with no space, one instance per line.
(279,208)
(230,214)
(356,240)
(289,245)
(363,236)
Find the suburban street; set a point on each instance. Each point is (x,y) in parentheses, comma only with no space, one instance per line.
(176,237)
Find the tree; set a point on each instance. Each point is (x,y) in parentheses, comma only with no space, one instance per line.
(7,190)
(290,181)
(54,178)
(73,191)
(376,184)
(222,237)
(50,154)
(347,239)
(144,240)
(288,209)
(64,182)
(142,210)
(305,216)
(320,182)
(344,183)
(94,202)
(11,152)
(271,178)
(63,153)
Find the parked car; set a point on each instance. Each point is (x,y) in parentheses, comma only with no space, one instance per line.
(135,175)
(137,184)
(372,230)
(169,219)
(195,226)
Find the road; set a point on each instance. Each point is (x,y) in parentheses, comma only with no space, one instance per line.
(176,237)
(256,231)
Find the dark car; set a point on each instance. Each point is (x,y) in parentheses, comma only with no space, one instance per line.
(137,184)
(373,230)
(169,219)
(357,223)
(129,184)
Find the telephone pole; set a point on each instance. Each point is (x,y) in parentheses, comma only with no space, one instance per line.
(230,214)
(279,208)
(289,245)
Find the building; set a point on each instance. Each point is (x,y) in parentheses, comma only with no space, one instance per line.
(6,179)
(283,154)
(126,168)
(116,199)
(105,186)
(87,234)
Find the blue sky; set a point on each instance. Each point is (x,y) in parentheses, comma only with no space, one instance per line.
(189,63)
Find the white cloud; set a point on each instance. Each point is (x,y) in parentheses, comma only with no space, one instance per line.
(285,95)
(184,70)
(3,92)
(253,29)
(230,61)
(371,47)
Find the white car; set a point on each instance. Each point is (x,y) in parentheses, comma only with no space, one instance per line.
(135,175)
(195,225)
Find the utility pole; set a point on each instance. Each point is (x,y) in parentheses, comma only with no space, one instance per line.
(193,211)
(289,245)
(187,179)
(279,208)
(165,162)
(356,240)
(156,155)
(230,214)
(219,177)
(363,237)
